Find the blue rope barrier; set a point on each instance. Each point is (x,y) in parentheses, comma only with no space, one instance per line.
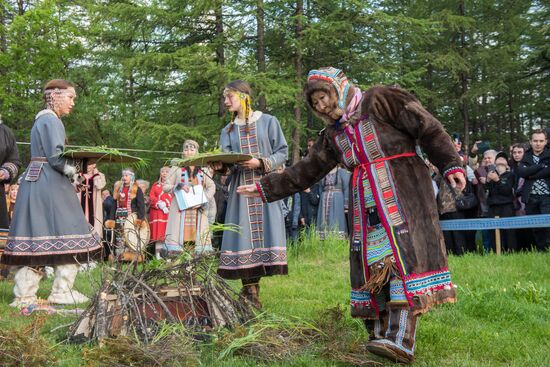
(525,221)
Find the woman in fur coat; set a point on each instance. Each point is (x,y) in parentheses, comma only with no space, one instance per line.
(397,253)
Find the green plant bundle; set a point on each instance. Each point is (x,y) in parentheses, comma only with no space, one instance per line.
(105,151)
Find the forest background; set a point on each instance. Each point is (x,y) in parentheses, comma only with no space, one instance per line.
(150,73)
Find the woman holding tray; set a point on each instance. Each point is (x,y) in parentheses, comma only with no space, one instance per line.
(48,225)
(188,225)
(259,247)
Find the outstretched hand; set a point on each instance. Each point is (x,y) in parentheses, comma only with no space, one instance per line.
(250,191)
(457,180)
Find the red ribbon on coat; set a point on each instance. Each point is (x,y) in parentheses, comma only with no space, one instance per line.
(383,159)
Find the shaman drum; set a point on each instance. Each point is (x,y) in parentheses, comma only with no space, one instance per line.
(136,238)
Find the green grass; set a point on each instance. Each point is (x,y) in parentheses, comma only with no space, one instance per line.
(502,317)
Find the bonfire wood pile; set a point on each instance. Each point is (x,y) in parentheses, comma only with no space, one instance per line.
(136,299)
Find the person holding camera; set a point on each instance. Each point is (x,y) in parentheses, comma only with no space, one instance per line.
(535,193)
(500,182)
(481,173)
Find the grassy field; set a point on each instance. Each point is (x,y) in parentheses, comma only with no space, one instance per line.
(502,317)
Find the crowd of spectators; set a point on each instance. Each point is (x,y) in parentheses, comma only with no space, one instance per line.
(500,184)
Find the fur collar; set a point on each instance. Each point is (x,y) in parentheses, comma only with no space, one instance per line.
(132,191)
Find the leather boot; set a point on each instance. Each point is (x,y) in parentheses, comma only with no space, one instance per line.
(26,286)
(399,340)
(62,289)
(377,328)
(251,292)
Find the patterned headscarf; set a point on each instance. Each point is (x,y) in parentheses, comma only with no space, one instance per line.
(336,78)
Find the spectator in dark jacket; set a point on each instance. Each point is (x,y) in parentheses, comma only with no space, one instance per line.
(109,209)
(310,204)
(500,198)
(535,193)
(291,212)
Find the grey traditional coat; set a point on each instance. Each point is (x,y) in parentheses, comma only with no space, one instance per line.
(48,225)
(333,203)
(259,247)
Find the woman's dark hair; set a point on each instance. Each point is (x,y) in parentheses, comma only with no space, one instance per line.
(317,86)
(58,84)
(519,145)
(194,173)
(241,86)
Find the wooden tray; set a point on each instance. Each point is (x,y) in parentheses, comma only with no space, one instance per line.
(228,158)
(102,157)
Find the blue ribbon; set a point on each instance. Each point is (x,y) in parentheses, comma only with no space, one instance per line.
(525,221)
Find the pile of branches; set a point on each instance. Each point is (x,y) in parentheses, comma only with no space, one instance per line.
(137,299)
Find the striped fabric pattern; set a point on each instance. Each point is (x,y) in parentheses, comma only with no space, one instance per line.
(378,245)
(397,292)
(428,282)
(360,298)
(249,145)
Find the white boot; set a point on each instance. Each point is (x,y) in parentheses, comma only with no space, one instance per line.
(26,286)
(62,289)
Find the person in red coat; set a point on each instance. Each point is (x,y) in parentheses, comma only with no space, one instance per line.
(160,207)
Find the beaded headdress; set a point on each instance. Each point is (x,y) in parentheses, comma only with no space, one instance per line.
(336,78)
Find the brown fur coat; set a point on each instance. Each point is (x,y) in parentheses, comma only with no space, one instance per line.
(399,123)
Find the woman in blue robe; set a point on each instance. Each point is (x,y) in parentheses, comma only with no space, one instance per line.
(48,227)
(259,247)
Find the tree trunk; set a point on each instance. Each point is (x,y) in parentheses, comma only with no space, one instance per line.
(220,51)
(260,54)
(464,81)
(511,119)
(20,7)
(430,85)
(296,133)
(3,28)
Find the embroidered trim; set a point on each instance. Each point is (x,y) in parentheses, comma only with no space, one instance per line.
(429,282)
(261,191)
(12,170)
(51,245)
(389,342)
(452,170)
(397,293)
(361,298)
(248,142)
(268,166)
(253,257)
